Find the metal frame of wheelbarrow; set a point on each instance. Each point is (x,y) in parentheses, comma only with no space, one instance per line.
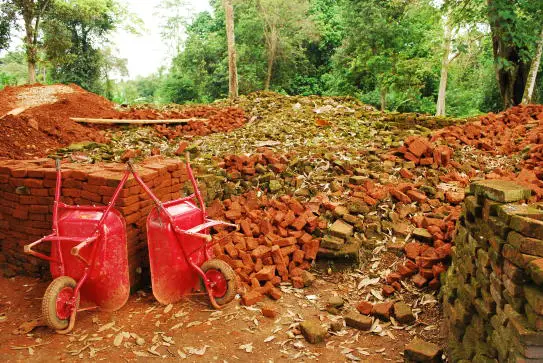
(67,303)
(211,280)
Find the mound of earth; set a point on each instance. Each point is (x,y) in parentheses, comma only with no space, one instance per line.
(35,120)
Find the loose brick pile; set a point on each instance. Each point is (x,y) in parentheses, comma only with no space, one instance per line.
(498,133)
(27,191)
(493,294)
(247,166)
(422,152)
(274,243)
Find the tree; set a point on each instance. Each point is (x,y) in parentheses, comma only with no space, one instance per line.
(73,32)
(532,74)
(513,35)
(388,53)
(286,26)
(32,12)
(232,68)
(176,15)
(7,21)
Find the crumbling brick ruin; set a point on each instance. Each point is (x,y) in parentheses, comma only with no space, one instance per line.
(493,296)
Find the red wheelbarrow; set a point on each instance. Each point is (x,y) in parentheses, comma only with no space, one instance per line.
(179,249)
(88,259)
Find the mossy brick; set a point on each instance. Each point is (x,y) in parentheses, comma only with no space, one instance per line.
(313,331)
(519,328)
(483,309)
(482,358)
(503,191)
(529,227)
(514,289)
(535,321)
(534,297)
(341,229)
(471,206)
(461,235)
(517,303)
(332,243)
(499,228)
(506,211)
(527,245)
(403,313)
(483,260)
(490,209)
(515,256)
(516,274)
(349,253)
(419,350)
(535,270)
(358,321)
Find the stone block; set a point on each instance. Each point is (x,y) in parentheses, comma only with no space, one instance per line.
(503,191)
(506,211)
(527,245)
(313,331)
(403,313)
(534,297)
(528,227)
(332,242)
(419,350)
(341,229)
(535,269)
(358,321)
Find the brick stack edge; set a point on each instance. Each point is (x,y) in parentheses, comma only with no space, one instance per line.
(27,191)
(493,294)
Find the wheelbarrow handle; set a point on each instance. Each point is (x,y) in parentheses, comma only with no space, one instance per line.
(75,250)
(204,236)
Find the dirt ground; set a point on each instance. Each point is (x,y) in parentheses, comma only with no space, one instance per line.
(191,330)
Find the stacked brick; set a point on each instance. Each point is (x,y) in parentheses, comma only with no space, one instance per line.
(274,243)
(27,191)
(493,296)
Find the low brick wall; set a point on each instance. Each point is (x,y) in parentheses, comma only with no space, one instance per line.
(27,190)
(493,292)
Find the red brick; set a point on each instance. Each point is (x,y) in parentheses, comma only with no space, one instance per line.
(388,290)
(419,146)
(406,174)
(252,297)
(383,310)
(392,277)
(365,307)
(266,273)
(298,282)
(260,251)
(419,280)
(275,293)
(416,196)
(400,196)
(269,311)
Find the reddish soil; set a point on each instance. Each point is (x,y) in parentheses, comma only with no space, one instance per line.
(39,130)
(223,332)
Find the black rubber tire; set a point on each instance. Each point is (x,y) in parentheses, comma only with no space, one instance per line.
(49,302)
(229,275)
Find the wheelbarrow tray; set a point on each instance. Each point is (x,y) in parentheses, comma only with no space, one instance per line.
(108,284)
(171,274)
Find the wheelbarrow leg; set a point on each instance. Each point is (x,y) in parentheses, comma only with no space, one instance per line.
(70,325)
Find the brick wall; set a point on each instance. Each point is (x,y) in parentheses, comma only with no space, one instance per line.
(27,191)
(493,295)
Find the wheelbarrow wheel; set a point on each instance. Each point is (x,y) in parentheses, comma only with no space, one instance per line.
(55,311)
(224,279)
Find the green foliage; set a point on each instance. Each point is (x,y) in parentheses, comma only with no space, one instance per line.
(13,70)
(73,32)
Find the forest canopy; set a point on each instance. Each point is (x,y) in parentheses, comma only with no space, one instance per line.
(458,57)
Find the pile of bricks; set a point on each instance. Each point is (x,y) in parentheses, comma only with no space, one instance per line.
(27,190)
(493,295)
(421,151)
(534,161)
(274,243)
(247,166)
(500,133)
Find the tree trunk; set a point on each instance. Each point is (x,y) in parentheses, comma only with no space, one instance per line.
(511,78)
(383,98)
(532,74)
(31,71)
(232,67)
(272,51)
(440,107)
